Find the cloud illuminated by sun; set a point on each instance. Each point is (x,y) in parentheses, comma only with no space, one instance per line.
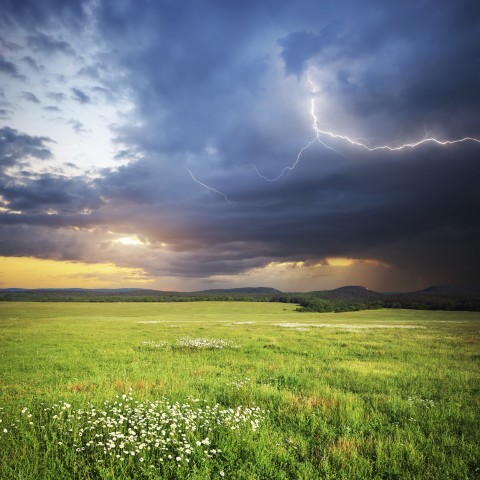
(348,262)
(339,261)
(129,240)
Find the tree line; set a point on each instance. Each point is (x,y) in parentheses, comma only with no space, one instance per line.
(307,302)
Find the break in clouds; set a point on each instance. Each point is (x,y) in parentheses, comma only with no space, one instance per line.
(153,121)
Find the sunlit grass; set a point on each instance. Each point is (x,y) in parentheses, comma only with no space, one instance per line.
(375,394)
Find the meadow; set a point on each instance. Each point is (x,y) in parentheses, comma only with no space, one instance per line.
(237,390)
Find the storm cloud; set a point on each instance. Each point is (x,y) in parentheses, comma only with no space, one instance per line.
(219,169)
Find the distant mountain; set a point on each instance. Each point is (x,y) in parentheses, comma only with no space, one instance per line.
(127,293)
(351,293)
(244,290)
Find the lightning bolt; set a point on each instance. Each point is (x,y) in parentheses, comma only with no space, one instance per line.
(319,137)
(319,134)
(224,195)
(214,190)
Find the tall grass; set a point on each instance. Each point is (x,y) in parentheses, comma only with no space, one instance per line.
(361,395)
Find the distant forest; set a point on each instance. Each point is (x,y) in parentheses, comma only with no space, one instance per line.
(344,299)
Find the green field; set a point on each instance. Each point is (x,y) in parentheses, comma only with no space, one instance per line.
(237,390)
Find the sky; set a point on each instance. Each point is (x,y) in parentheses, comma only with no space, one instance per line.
(302,145)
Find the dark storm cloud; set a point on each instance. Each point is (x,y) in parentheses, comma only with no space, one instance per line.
(190,67)
(218,87)
(147,182)
(359,211)
(14,240)
(408,61)
(416,61)
(190,86)
(37,194)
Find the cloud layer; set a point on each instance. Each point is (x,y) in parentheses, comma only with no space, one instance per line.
(167,122)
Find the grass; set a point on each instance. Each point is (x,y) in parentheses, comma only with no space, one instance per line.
(334,396)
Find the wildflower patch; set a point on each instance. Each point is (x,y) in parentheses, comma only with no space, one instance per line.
(188,343)
(153,345)
(204,343)
(238,382)
(155,435)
